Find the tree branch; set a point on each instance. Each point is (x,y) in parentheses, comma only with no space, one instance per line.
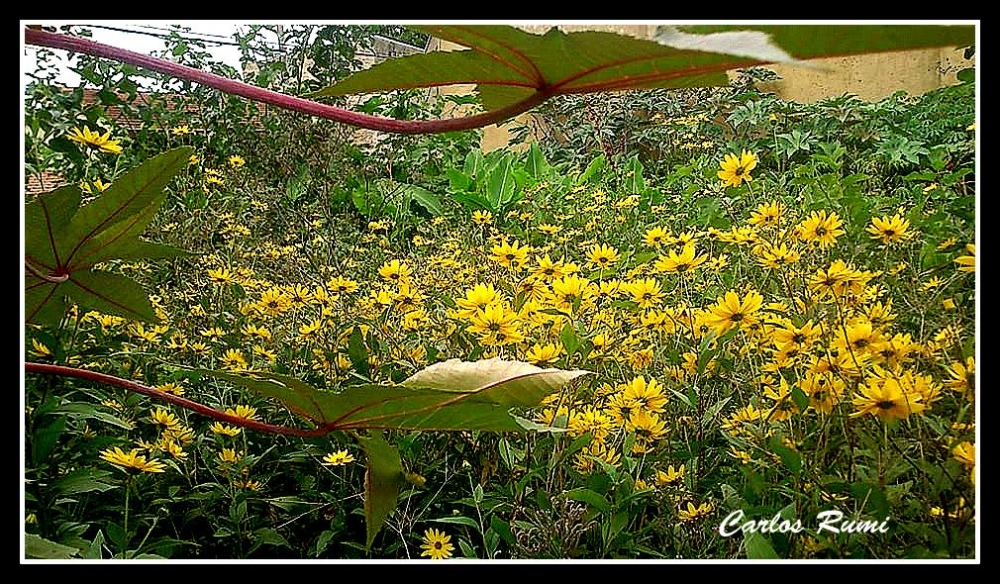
(34,36)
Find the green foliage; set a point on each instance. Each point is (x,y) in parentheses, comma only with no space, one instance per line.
(288,222)
(65,242)
(451,395)
(509,65)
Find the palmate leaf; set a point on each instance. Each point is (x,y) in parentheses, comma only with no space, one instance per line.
(509,65)
(64,242)
(452,395)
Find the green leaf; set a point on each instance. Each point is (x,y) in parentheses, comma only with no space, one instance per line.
(459,520)
(458,180)
(873,497)
(593,171)
(801,42)
(533,426)
(38,547)
(536,165)
(500,184)
(357,352)
(64,241)
(45,439)
(758,548)
(383,478)
(96,549)
(583,495)
(474,201)
(90,411)
(127,200)
(111,294)
(800,398)
(789,457)
(473,163)
(634,183)
(569,340)
(452,395)
(425,199)
(270,536)
(509,65)
(84,480)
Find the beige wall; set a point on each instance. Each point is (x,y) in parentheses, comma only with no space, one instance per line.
(870,77)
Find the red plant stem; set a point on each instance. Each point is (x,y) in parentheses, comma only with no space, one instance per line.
(48,369)
(34,36)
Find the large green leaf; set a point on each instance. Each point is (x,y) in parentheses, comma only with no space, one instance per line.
(425,199)
(41,548)
(383,478)
(453,395)
(509,65)
(758,548)
(64,242)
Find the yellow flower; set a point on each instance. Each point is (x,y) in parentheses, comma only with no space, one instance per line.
(171,387)
(233,360)
(242,411)
(683,263)
(732,311)
(963,376)
(174,449)
(965,452)
(236,161)
(647,292)
(736,169)
(220,276)
(602,256)
(40,350)
(95,140)
(94,188)
(767,215)
(395,271)
(655,237)
(510,255)
(889,229)
(339,458)
(180,130)
(967,263)
(229,455)
(887,400)
(482,217)
(497,324)
(224,429)
(642,395)
(437,545)
(543,354)
(476,298)
(247,484)
(672,475)
(820,228)
(165,418)
(691,512)
(131,461)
